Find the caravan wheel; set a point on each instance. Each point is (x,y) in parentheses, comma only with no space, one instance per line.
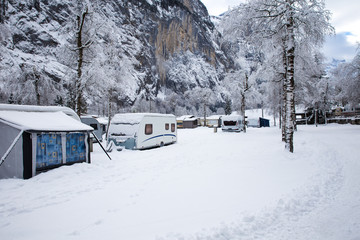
(162,144)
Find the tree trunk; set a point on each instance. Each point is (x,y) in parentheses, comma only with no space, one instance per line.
(80,49)
(280,117)
(243,101)
(109,116)
(274,112)
(283,113)
(36,85)
(242,110)
(290,83)
(283,91)
(204,115)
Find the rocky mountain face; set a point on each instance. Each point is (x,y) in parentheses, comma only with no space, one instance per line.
(151,47)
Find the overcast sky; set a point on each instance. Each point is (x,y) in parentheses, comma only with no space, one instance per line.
(345,19)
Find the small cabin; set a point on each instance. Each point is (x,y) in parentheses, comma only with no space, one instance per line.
(142,130)
(187,121)
(34,142)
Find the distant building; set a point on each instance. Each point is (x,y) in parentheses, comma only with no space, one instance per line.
(187,121)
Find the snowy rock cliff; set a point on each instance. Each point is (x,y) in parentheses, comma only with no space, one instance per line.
(132,49)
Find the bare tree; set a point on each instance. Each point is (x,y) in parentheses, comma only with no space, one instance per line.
(81,45)
(244,89)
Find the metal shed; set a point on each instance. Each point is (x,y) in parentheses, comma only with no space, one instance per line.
(33,142)
(258,123)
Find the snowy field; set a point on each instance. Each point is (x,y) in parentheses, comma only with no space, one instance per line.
(207,186)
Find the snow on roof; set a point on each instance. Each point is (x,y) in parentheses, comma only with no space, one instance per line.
(32,108)
(231,117)
(42,121)
(135,118)
(216,117)
(186,117)
(102,120)
(256,114)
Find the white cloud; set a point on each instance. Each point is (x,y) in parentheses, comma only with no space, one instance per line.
(346,21)
(339,47)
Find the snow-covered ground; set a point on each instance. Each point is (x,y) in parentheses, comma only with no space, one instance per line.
(207,186)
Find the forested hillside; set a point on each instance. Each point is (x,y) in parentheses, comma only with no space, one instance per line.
(86,54)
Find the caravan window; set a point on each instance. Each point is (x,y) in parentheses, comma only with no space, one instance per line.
(173,127)
(94,126)
(229,123)
(167,126)
(148,129)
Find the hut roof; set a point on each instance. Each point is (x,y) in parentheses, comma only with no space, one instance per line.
(42,121)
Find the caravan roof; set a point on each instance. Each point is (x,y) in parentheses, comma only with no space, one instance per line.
(42,121)
(135,118)
(231,117)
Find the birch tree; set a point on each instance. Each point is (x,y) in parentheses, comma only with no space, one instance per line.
(286,23)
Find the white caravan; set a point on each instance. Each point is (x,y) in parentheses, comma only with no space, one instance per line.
(232,123)
(94,123)
(142,130)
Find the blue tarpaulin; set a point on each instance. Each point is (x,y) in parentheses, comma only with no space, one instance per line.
(49,149)
(75,147)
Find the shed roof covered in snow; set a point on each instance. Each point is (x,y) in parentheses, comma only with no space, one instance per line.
(32,108)
(42,121)
(186,118)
